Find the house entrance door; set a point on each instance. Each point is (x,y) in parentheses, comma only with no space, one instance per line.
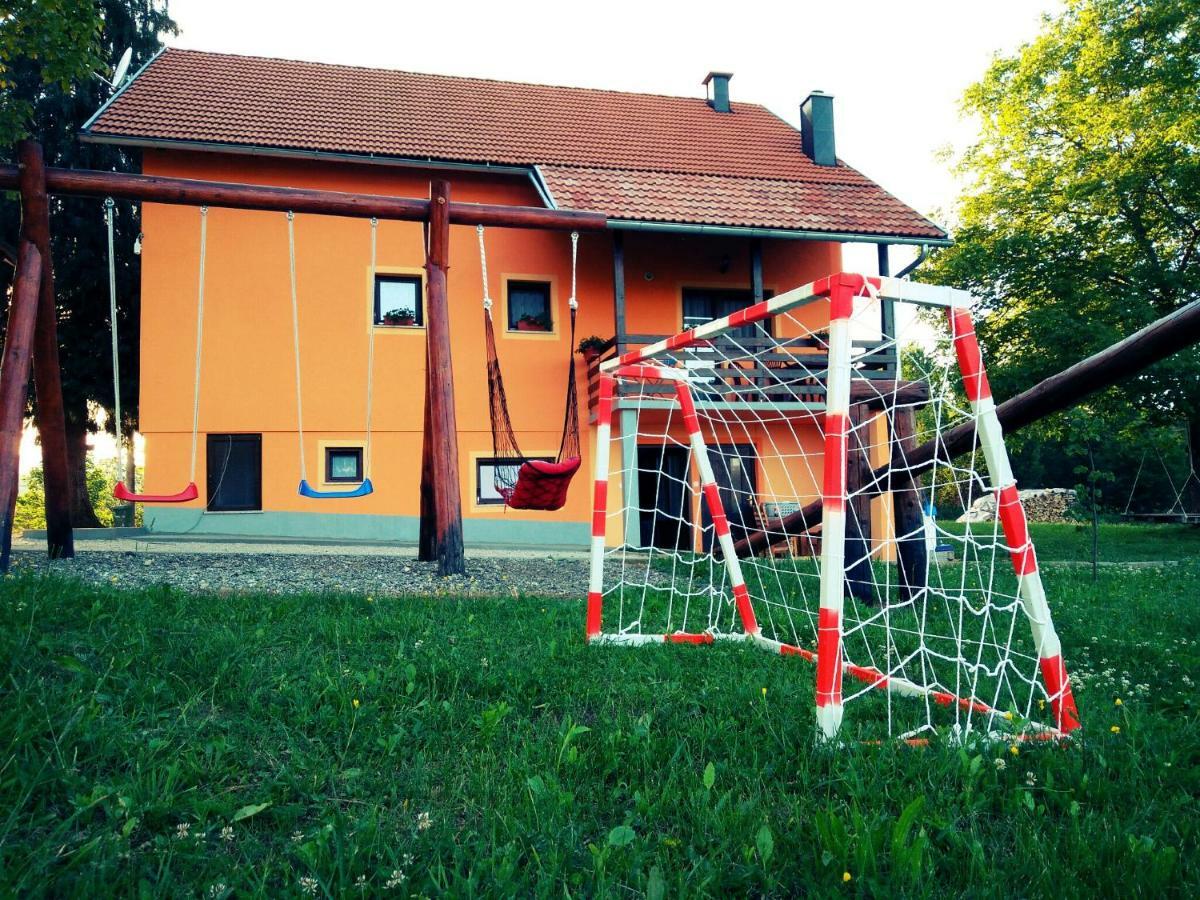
(734,469)
(665,514)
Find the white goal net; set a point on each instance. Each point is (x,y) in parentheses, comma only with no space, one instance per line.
(771,476)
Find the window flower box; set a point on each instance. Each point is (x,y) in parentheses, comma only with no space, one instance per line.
(532,323)
(400,317)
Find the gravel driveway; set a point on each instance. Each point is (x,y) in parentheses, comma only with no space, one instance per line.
(394,571)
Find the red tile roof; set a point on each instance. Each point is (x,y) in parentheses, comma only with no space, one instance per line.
(862,208)
(635,156)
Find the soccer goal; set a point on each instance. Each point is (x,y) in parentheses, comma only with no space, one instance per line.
(767,477)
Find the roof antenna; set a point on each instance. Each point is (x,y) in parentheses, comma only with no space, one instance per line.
(120,71)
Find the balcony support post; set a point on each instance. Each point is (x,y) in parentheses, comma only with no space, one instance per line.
(756,270)
(619,290)
(629,475)
(887,315)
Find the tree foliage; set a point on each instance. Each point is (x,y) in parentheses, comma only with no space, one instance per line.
(30,510)
(56,40)
(1080,221)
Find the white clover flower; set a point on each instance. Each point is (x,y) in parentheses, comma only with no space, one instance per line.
(423,821)
(182,830)
(227,833)
(395,879)
(1000,763)
(308,884)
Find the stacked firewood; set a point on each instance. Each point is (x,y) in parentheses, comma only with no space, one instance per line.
(1041,505)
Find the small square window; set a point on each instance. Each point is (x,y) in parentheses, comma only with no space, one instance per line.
(529,306)
(486,472)
(343,464)
(398,301)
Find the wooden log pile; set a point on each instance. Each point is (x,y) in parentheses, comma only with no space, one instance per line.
(1041,505)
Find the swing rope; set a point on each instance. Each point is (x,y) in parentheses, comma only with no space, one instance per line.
(109,204)
(370,361)
(305,489)
(296,339)
(531,484)
(199,340)
(120,491)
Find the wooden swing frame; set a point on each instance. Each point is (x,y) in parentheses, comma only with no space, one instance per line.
(31,344)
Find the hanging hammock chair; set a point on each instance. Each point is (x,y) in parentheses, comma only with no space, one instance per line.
(530,483)
(305,489)
(121,492)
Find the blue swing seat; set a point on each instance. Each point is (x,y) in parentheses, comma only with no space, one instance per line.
(307,490)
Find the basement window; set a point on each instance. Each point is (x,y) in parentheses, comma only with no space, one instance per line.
(486,471)
(343,465)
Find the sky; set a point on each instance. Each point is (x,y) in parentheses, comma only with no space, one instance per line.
(896,70)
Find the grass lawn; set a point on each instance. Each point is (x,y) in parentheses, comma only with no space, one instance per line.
(163,744)
(1117,542)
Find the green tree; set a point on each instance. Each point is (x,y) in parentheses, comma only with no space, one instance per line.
(1080,222)
(31,502)
(54,99)
(54,41)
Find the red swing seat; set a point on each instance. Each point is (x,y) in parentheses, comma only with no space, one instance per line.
(123,493)
(541,485)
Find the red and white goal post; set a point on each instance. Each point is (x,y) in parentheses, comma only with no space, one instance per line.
(737,428)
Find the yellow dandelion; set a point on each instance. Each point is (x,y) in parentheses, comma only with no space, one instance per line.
(370,599)
(764,690)
(846,876)
(1118,702)
(1041,704)
(1009,716)
(1116,729)
(356,703)
(1014,749)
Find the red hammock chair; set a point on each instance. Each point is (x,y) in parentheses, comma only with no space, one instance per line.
(534,483)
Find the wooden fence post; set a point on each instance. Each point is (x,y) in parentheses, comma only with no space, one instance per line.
(14,385)
(47,376)
(442,424)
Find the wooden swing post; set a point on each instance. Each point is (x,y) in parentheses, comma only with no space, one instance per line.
(47,375)
(14,384)
(439,470)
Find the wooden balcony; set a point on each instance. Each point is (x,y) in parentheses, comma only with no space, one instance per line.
(747,373)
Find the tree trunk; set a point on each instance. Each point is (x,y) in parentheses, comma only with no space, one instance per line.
(82,514)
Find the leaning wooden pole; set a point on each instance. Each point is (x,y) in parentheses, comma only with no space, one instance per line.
(47,376)
(14,384)
(442,424)
(1154,343)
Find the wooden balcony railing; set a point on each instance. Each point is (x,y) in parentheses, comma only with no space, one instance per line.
(751,370)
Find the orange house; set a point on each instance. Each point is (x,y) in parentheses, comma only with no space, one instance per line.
(712,204)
